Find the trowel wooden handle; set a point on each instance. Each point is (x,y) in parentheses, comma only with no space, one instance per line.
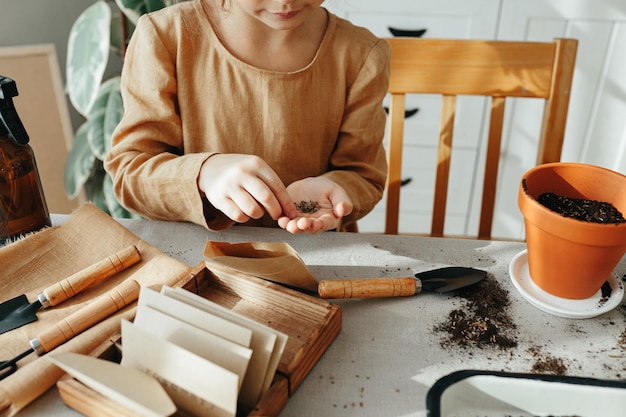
(94,312)
(367,287)
(101,270)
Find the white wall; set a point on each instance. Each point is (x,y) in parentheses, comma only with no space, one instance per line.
(36,22)
(26,22)
(596,125)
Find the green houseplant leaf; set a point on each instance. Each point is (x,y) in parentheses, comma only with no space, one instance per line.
(96,33)
(87,55)
(117,43)
(115,209)
(104,117)
(135,8)
(95,188)
(79,165)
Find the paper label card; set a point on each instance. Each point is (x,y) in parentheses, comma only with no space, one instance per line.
(267,344)
(195,316)
(208,358)
(216,349)
(127,386)
(196,385)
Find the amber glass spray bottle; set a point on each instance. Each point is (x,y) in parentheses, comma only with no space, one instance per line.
(23,207)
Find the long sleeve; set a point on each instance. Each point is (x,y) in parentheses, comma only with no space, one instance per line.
(186,98)
(358,163)
(152,173)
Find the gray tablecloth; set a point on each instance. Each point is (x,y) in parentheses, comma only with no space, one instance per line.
(388,353)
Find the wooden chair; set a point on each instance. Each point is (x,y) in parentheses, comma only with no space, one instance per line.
(497,69)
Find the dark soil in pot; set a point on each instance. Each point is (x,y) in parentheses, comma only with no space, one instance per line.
(582,209)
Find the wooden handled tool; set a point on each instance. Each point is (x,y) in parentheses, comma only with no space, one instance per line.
(368,287)
(18,312)
(438,280)
(79,321)
(76,323)
(106,268)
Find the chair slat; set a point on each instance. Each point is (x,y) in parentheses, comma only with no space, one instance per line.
(444,153)
(514,69)
(557,104)
(496,69)
(394,176)
(496,121)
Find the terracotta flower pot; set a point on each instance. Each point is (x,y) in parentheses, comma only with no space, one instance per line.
(567,257)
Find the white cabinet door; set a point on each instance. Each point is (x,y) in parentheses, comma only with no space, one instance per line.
(441,19)
(596,125)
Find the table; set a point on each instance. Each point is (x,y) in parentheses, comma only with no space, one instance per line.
(388,353)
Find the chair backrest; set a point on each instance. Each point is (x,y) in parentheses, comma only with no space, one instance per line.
(497,69)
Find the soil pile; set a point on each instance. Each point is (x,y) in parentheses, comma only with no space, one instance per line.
(581,209)
(546,364)
(484,320)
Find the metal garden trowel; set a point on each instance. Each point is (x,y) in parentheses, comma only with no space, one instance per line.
(17,311)
(438,280)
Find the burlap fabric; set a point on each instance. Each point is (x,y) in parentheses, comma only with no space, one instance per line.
(33,263)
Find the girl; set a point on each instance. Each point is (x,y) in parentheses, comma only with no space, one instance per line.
(238,112)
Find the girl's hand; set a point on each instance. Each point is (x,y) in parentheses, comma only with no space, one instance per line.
(322,203)
(244,187)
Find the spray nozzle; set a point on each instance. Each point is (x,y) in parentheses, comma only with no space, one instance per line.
(10,123)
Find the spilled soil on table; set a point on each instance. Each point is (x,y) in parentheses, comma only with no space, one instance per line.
(621,341)
(484,319)
(546,364)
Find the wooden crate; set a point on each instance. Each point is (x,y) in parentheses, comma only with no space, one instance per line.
(310,322)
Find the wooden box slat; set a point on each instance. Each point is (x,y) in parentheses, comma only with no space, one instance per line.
(311,324)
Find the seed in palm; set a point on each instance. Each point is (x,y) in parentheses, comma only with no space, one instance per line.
(307,206)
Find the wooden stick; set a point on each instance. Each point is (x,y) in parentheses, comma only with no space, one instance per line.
(94,312)
(367,287)
(101,270)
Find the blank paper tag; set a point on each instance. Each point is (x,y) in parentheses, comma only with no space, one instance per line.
(196,385)
(216,349)
(267,344)
(195,316)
